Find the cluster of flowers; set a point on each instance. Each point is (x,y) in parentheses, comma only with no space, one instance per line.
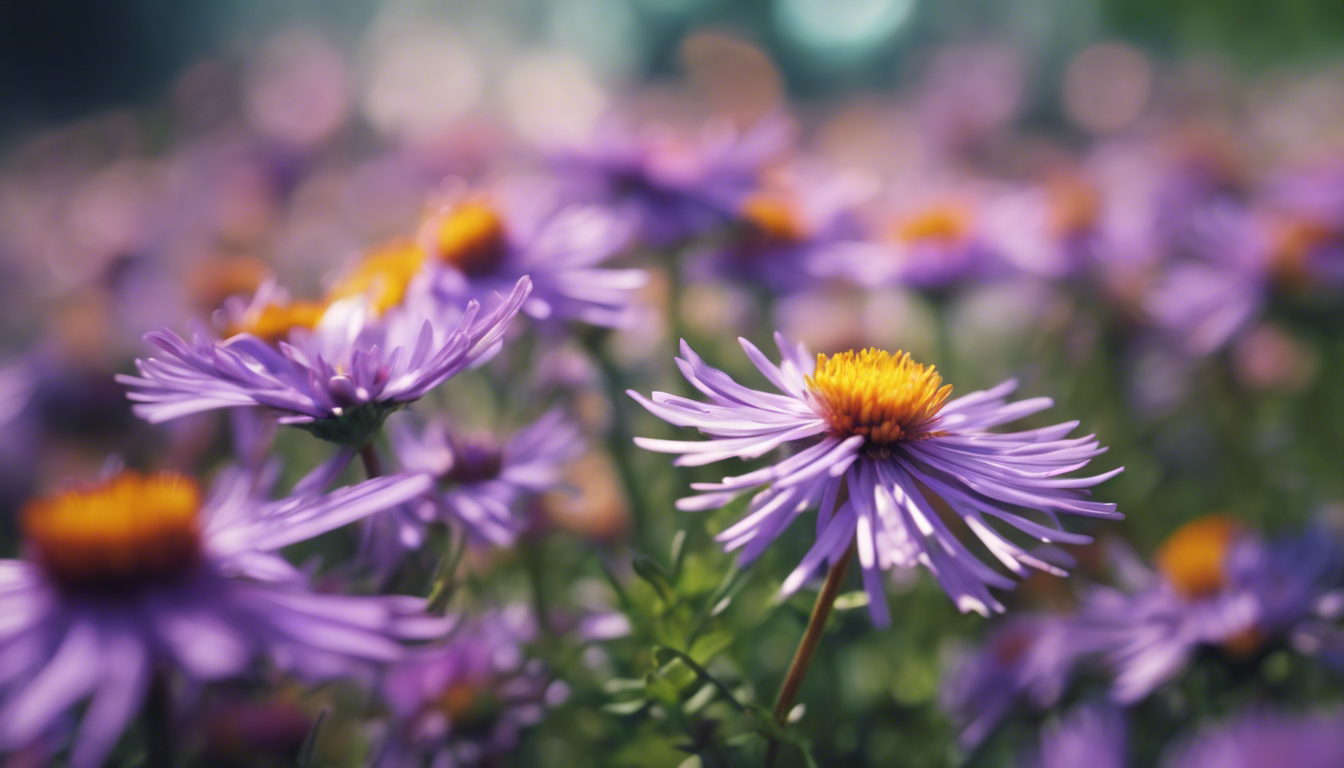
(1218,593)
(141,586)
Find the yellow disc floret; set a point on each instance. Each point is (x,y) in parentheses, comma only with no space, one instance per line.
(886,398)
(383,276)
(772,219)
(273,322)
(943,223)
(470,237)
(128,531)
(1194,558)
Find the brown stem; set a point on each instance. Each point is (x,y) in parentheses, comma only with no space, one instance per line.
(373,467)
(807,647)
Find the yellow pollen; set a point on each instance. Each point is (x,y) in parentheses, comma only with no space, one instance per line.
(470,237)
(383,276)
(125,532)
(772,219)
(886,398)
(275,321)
(1194,558)
(945,223)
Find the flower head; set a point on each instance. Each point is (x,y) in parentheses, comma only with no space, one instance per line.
(481,483)
(480,243)
(1215,585)
(800,226)
(340,380)
(469,698)
(144,572)
(1026,660)
(674,190)
(1092,734)
(1259,738)
(880,449)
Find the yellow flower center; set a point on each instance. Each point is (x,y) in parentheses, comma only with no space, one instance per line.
(274,322)
(383,276)
(943,223)
(128,531)
(772,219)
(886,398)
(470,237)
(1194,558)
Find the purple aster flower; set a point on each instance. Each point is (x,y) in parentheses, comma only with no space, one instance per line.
(137,575)
(470,699)
(481,483)
(478,244)
(1215,585)
(1026,660)
(1091,735)
(879,448)
(672,189)
(1262,738)
(937,234)
(338,380)
(788,234)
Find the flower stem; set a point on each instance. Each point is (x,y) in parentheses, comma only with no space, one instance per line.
(373,466)
(618,436)
(159,741)
(807,647)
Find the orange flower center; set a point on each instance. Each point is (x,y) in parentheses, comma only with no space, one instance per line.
(886,398)
(945,223)
(1194,558)
(128,531)
(470,237)
(274,322)
(383,276)
(772,219)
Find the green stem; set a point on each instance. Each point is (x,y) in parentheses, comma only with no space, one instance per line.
(943,348)
(619,444)
(807,647)
(534,559)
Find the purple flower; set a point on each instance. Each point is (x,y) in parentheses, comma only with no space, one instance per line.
(481,483)
(1215,585)
(880,428)
(788,234)
(1261,738)
(937,234)
(137,575)
(339,380)
(674,190)
(469,699)
(1026,660)
(479,244)
(1092,735)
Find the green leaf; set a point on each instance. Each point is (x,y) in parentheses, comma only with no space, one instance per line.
(650,571)
(700,672)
